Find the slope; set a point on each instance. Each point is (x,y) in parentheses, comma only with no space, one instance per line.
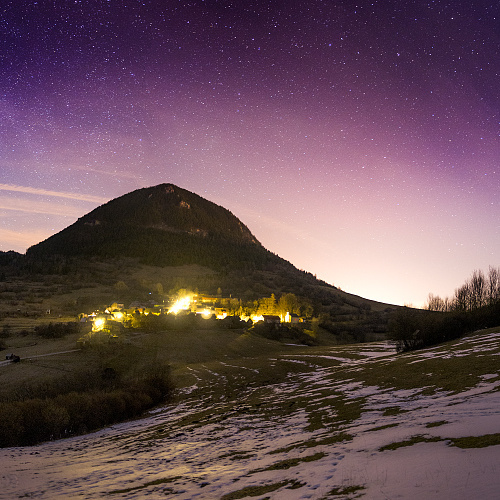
(160,225)
(165,226)
(333,422)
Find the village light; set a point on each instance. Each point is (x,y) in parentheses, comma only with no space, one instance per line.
(207,313)
(256,318)
(98,324)
(182,304)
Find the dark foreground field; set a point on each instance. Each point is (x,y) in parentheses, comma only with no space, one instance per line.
(62,387)
(255,418)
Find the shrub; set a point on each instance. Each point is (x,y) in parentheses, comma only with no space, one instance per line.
(11,424)
(56,330)
(413,329)
(404,330)
(34,420)
(233,322)
(267,330)
(56,420)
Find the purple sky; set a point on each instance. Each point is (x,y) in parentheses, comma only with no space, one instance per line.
(358,140)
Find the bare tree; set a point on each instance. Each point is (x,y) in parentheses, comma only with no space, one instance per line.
(447,304)
(461,301)
(477,290)
(493,285)
(435,303)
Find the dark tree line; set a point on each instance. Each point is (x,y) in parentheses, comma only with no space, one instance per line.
(478,291)
(84,402)
(475,305)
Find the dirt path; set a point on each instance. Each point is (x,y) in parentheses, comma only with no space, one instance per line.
(8,361)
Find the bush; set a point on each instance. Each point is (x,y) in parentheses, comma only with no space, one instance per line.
(233,322)
(11,424)
(267,330)
(56,330)
(413,329)
(404,330)
(35,420)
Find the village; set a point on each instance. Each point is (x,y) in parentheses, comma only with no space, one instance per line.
(266,310)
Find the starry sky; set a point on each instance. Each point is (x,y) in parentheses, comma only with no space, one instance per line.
(357,139)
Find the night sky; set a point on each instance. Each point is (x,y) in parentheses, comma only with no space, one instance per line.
(358,140)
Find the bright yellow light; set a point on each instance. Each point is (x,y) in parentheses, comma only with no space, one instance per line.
(222,315)
(207,313)
(98,324)
(182,304)
(255,318)
(118,316)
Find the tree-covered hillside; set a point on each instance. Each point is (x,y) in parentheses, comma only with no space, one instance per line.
(154,223)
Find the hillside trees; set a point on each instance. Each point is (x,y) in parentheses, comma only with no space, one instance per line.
(477,291)
(493,285)
(436,303)
(288,303)
(70,412)
(267,305)
(475,305)
(413,329)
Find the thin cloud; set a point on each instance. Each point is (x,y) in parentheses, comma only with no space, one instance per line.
(57,194)
(123,175)
(39,207)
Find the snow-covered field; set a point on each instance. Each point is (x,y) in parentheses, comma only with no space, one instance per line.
(348,422)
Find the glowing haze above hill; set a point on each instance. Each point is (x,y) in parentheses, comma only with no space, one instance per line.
(358,140)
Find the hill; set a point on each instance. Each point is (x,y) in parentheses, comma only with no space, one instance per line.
(156,240)
(160,225)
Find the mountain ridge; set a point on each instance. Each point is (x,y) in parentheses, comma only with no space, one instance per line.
(160,225)
(164,207)
(171,208)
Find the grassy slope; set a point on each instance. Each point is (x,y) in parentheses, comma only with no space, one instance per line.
(206,351)
(93,283)
(346,396)
(179,349)
(25,300)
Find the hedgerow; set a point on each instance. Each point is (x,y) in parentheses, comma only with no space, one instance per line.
(31,421)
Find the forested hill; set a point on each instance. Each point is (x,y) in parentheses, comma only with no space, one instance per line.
(160,225)
(167,227)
